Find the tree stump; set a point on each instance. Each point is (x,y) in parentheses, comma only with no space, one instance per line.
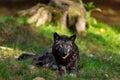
(69,14)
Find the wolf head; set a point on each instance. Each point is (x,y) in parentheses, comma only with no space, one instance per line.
(64,45)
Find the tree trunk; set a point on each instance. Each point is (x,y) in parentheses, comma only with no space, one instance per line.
(70,14)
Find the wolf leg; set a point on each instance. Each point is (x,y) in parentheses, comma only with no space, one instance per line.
(62,71)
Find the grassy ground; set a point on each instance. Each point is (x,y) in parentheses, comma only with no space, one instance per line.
(99,50)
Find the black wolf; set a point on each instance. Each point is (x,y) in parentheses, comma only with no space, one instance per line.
(62,55)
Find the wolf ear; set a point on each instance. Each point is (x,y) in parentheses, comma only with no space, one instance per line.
(73,37)
(56,36)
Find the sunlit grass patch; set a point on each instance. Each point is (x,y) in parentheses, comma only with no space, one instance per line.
(6,52)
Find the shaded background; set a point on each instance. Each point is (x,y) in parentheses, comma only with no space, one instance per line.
(110,11)
(110,8)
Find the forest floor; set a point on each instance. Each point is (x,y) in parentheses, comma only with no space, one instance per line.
(99,51)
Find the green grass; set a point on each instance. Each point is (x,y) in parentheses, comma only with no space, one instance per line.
(99,51)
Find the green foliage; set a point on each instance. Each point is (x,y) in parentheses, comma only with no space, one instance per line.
(99,51)
(23,20)
(91,8)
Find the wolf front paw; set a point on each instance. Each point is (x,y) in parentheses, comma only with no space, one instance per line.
(73,73)
(63,71)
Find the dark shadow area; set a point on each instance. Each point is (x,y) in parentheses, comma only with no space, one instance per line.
(20,3)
